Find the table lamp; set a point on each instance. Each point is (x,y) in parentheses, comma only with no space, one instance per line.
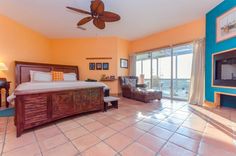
(3,67)
(141,79)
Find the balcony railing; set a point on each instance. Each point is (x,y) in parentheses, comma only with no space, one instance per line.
(180,87)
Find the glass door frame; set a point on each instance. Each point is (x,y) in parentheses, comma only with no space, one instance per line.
(150,53)
(142,60)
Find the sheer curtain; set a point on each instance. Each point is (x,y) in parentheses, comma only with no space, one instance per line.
(132,69)
(197,83)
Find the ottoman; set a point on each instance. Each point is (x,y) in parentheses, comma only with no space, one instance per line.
(112,100)
(147,95)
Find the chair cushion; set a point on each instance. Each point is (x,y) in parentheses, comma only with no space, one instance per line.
(131,82)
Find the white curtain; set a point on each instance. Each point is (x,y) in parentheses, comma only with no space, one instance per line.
(197,84)
(132,69)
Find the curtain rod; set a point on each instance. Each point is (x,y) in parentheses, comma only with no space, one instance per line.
(169,46)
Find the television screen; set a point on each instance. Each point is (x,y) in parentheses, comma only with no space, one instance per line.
(228,72)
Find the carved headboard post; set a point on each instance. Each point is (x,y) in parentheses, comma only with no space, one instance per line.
(22,70)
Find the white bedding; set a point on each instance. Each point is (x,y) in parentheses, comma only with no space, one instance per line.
(32,87)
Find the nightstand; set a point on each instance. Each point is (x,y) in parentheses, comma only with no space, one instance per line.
(4,84)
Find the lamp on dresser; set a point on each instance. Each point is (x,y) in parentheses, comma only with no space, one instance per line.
(4,84)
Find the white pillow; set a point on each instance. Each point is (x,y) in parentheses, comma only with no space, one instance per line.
(37,76)
(70,77)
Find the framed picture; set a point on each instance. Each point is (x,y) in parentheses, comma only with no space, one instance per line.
(98,66)
(105,66)
(226,25)
(123,63)
(91,66)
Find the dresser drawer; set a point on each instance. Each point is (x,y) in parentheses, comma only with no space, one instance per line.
(62,104)
(35,110)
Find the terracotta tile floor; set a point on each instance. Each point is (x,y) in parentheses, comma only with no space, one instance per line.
(166,128)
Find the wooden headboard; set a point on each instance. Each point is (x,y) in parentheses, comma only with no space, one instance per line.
(22,70)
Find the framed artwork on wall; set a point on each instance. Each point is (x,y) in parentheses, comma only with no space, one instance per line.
(98,66)
(123,63)
(226,25)
(105,66)
(91,66)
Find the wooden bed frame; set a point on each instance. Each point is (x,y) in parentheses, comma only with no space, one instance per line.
(35,109)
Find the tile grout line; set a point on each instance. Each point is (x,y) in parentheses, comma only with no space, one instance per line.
(82,126)
(134,140)
(202,133)
(117,132)
(90,133)
(130,125)
(38,142)
(167,141)
(67,139)
(146,132)
(4,138)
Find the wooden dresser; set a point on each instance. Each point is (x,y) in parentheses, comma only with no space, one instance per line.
(36,109)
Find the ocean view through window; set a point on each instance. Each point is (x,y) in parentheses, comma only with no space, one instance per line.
(168,70)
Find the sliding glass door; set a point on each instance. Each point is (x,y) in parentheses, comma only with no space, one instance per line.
(182,66)
(161,71)
(143,66)
(168,70)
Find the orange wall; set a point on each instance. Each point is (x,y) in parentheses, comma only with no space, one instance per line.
(75,51)
(184,33)
(20,43)
(123,52)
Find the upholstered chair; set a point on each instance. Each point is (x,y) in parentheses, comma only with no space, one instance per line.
(128,85)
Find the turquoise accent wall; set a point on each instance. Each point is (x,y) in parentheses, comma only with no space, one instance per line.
(213,47)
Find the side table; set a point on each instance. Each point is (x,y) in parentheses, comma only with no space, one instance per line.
(4,84)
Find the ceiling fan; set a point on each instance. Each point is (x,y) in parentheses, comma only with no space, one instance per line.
(97,14)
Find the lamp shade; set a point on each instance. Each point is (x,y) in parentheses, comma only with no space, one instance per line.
(3,66)
(141,79)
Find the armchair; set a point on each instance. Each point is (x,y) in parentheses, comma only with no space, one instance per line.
(129,84)
(131,89)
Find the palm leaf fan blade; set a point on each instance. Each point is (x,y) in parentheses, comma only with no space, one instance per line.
(84,21)
(79,10)
(94,5)
(109,17)
(100,24)
(100,8)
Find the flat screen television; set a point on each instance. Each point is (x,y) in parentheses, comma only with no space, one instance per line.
(224,69)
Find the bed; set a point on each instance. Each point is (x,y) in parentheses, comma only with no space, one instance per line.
(37,104)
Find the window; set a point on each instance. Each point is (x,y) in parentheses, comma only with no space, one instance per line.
(168,70)
(138,68)
(143,66)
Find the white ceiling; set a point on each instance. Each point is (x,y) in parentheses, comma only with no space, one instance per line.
(138,17)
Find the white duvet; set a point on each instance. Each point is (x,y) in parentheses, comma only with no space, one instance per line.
(35,87)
